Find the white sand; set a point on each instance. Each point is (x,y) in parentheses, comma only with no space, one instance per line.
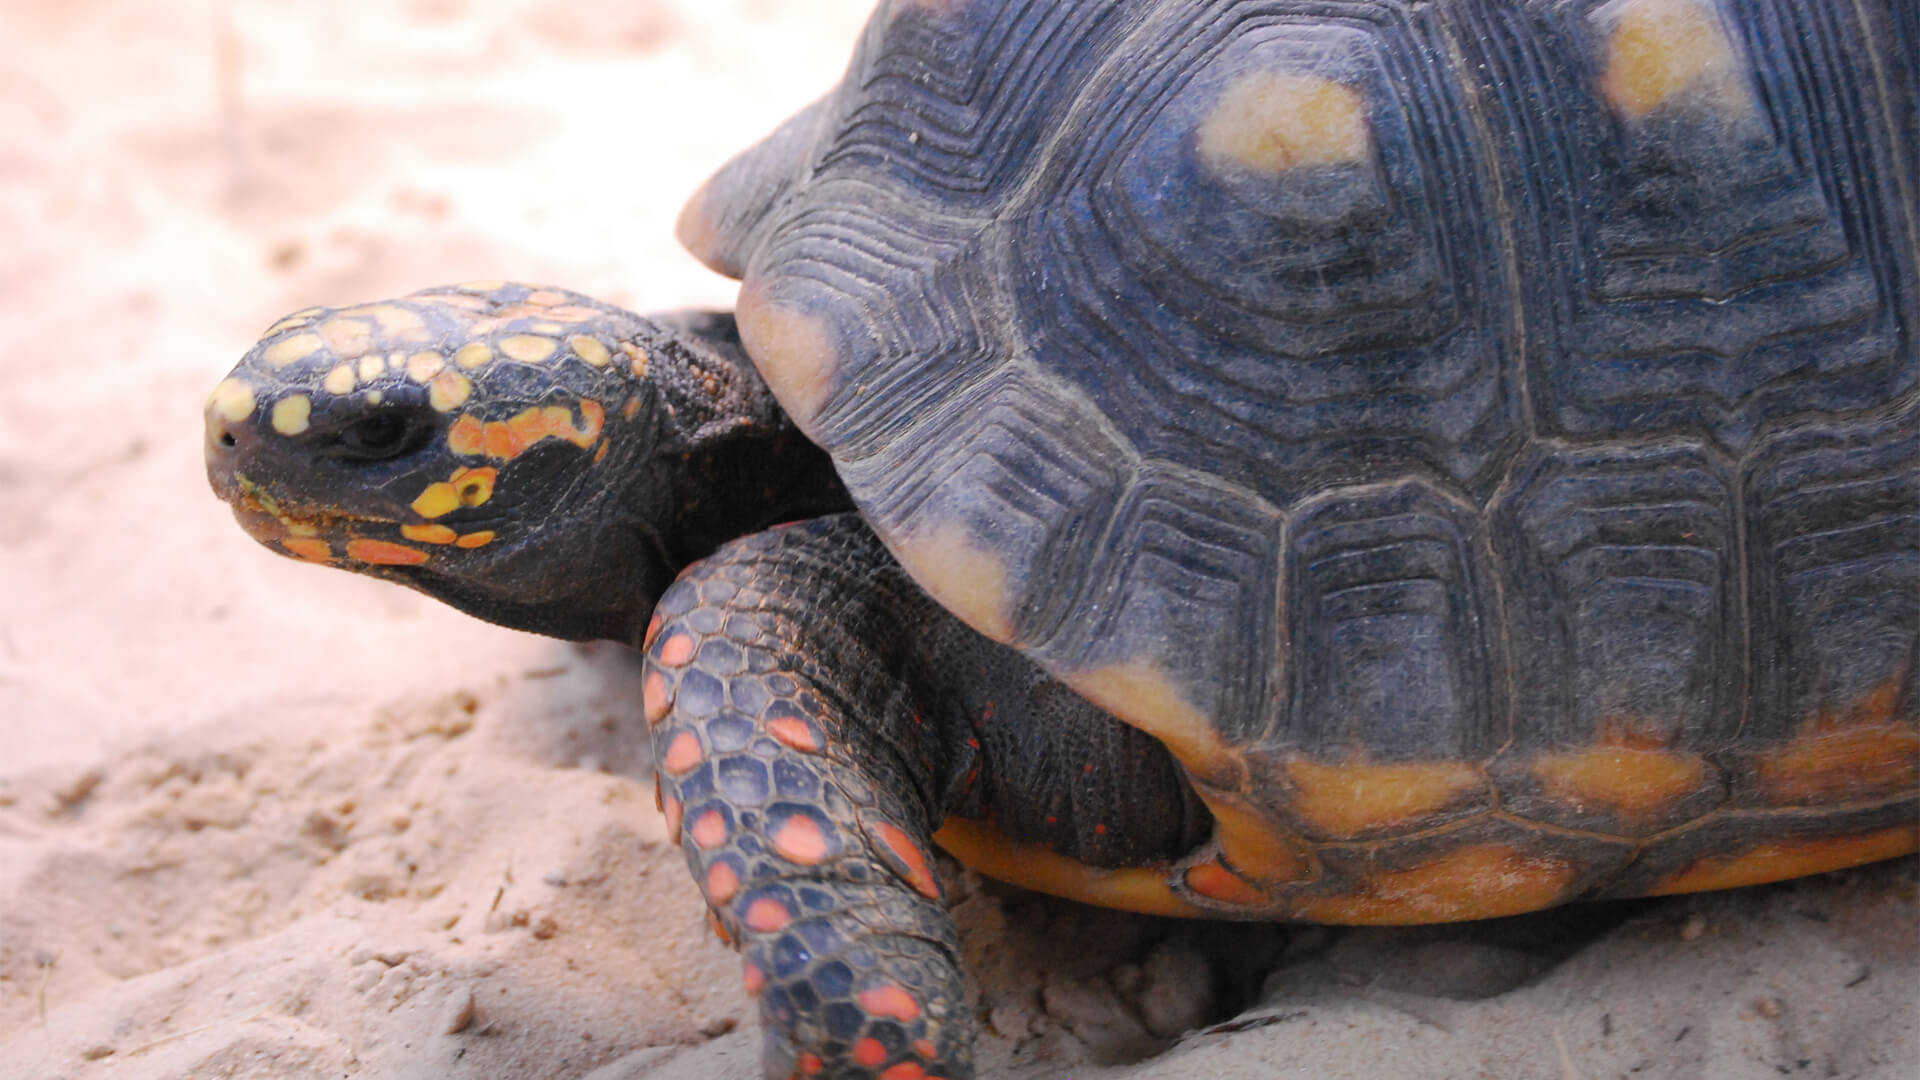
(261,820)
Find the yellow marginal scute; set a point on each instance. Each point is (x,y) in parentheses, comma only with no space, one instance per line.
(1479,882)
(1629,780)
(1342,801)
(1782,859)
(1842,763)
(986,849)
(1274,121)
(1140,693)
(793,350)
(967,579)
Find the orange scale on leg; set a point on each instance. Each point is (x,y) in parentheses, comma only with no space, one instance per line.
(683,753)
(654,697)
(925,1048)
(671,807)
(906,1070)
(677,649)
(811,1065)
(755,980)
(802,840)
(722,883)
(653,631)
(919,872)
(795,732)
(710,830)
(869,1052)
(767,915)
(892,1002)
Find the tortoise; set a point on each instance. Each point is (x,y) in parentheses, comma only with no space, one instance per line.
(1332,460)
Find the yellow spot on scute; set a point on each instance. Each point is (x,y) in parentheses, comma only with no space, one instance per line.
(965,577)
(1341,801)
(1659,48)
(1274,121)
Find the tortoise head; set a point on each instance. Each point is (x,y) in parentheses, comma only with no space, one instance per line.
(493,445)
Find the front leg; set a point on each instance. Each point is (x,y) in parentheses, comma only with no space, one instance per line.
(803,780)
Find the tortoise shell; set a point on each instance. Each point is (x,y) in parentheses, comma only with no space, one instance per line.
(1477,438)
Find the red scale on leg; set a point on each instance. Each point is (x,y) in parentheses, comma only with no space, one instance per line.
(683,754)
(723,883)
(910,861)
(710,830)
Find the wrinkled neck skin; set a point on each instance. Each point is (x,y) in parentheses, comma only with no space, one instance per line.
(714,458)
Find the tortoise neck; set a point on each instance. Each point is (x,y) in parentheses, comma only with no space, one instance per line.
(733,462)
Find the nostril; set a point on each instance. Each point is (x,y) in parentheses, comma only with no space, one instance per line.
(226,439)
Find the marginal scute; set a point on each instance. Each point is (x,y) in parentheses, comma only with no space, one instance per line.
(1779,860)
(986,849)
(1345,800)
(964,575)
(1273,121)
(1482,881)
(1139,692)
(1626,779)
(1827,765)
(793,349)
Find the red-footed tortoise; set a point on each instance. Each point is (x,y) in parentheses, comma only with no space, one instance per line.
(1349,461)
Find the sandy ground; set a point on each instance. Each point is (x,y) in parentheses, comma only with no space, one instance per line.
(259,820)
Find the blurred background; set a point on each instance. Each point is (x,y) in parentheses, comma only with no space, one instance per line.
(173,177)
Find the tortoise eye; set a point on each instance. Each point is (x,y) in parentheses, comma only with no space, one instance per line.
(379,436)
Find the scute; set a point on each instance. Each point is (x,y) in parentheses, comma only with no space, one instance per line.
(1516,404)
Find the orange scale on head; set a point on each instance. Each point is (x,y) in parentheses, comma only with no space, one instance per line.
(385,553)
(467,436)
(308,548)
